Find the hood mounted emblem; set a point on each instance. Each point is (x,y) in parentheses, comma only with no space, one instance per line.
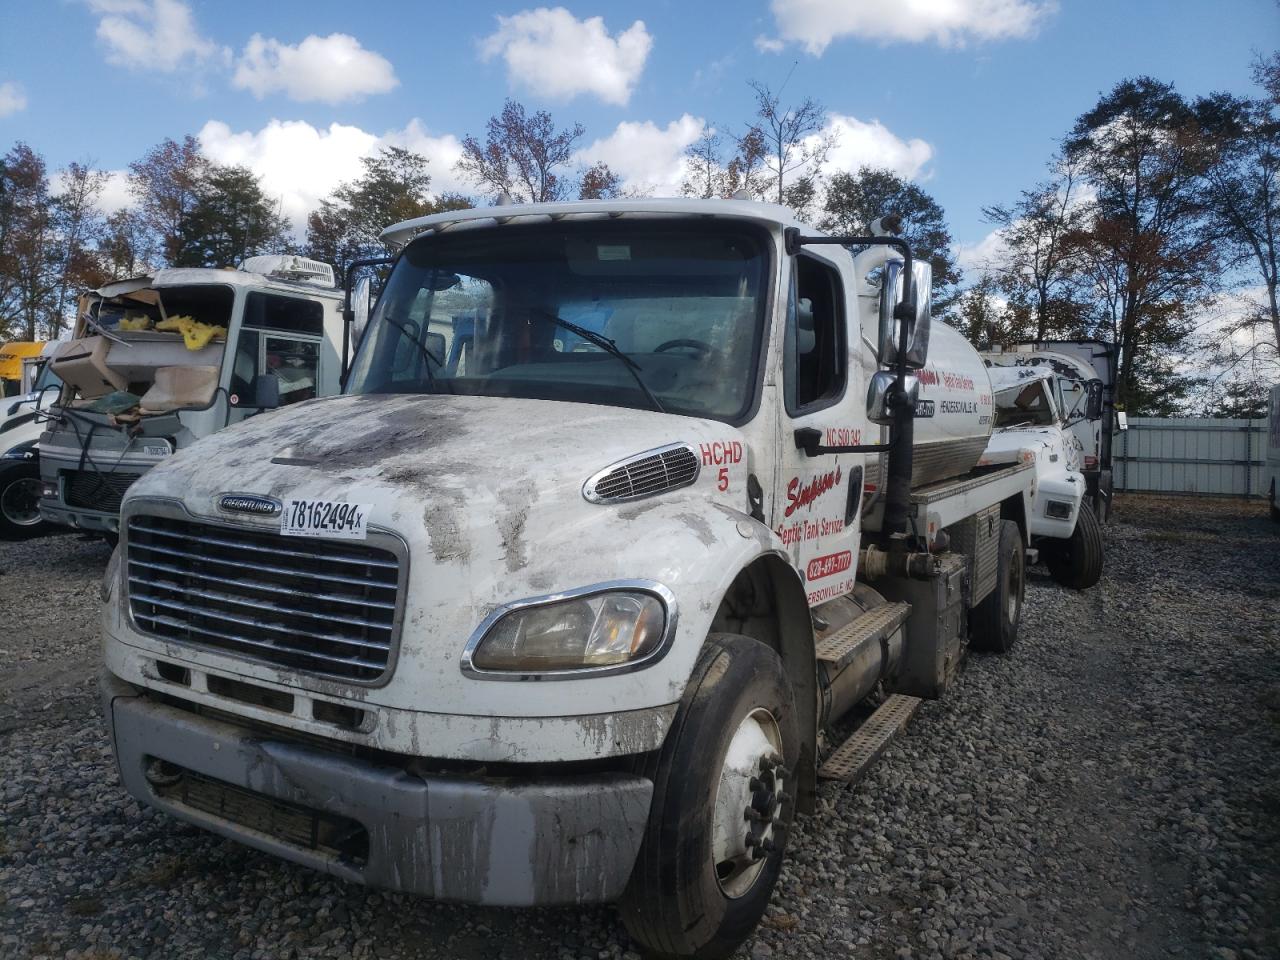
(250,503)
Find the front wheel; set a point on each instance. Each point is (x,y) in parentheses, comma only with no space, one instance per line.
(20,500)
(723,801)
(1077,561)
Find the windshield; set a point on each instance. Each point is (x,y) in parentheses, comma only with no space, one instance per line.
(46,378)
(491,313)
(1022,405)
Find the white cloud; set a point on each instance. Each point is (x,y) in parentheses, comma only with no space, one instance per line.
(555,55)
(330,69)
(13,98)
(770,44)
(159,35)
(115,193)
(300,164)
(981,256)
(646,156)
(816,23)
(863,143)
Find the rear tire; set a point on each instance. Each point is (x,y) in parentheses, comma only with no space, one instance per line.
(19,501)
(697,889)
(993,623)
(1077,561)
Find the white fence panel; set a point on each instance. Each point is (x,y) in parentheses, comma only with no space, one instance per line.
(1195,455)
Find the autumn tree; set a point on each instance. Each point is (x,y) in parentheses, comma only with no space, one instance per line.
(523,156)
(855,200)
(394,186)
(1041,260)
(230,220)
(704,173)
(598,182)
(122,246)
(1147,250)
(27,255)
(166,185)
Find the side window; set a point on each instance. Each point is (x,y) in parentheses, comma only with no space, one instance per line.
(284,313)
(296,364)
(293,360)
(815,352)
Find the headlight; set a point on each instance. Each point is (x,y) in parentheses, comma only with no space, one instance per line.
(608,628)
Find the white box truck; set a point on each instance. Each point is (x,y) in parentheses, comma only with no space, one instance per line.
(625,505)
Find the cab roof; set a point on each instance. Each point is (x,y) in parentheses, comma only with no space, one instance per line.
(771,214)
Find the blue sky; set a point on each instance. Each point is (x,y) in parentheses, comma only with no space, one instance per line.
(966,96)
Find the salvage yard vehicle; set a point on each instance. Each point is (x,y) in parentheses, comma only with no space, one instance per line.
(159,361)
(1030,426)
(627,503)
(20,429)
(1084,391)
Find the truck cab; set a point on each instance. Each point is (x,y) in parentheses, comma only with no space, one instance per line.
(21,423)
(618,512)
(158,362)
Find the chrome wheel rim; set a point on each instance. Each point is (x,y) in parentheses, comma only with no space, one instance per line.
(749,803)
(20,502)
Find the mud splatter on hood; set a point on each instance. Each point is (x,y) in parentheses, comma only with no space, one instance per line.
(449,464)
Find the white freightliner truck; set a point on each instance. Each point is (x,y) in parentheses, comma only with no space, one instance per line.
(625,505)
(281,324)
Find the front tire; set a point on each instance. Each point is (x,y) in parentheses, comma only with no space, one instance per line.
(1077,561)
(20,500)
(993,623)
(723,802)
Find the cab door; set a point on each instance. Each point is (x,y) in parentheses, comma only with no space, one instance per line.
(817,503)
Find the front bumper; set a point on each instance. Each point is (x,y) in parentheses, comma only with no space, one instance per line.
(503,842)
(78,518)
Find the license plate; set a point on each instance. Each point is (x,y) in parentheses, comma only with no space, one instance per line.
(156,448)
(324,518)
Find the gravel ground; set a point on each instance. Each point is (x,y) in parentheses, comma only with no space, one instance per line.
(1112,789)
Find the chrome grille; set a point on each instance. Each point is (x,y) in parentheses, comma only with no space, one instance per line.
(652,472)
(319,606)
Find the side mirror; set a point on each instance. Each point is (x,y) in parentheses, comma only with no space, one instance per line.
(878,390)
(891,289)
(1122,420)
(1093,406)
(266,391)
(361,307)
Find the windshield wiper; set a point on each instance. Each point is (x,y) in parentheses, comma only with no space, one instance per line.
(426,353)
(605,344)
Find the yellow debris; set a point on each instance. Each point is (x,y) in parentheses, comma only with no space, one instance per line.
(195,334)
(135,321)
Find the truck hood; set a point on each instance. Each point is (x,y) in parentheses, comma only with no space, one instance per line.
(1033,444)
(453,460)
(486,494)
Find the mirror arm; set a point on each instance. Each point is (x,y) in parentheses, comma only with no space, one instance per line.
(348,313)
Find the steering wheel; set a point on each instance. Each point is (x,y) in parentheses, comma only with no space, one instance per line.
(698,346)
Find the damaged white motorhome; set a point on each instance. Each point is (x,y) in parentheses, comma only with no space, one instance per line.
(159,361)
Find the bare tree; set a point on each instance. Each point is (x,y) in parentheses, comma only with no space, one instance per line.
(79,224)
(523,156)
(791,137)
(705,173)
